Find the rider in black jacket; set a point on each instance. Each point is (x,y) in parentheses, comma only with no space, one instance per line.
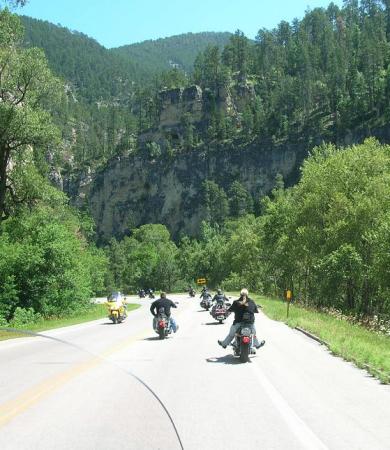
(244,312)
(164,302)
(219,297)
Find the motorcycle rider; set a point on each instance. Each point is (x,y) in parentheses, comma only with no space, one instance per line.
(219,297)
(244,305)
(205,293)
(119,301)
(164,302)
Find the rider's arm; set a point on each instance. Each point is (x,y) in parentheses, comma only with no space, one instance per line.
(173,304)
(254,306)
(233,307)
(152,308)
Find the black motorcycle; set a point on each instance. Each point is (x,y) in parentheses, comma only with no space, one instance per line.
(206,302)
(243,342)
(162,324)
(220,311)
(192,292)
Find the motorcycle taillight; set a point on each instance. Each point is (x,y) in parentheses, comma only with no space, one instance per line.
(161,324)
(246,339)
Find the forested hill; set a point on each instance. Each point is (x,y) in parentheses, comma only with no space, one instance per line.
(162,54)
(94,72)
(97,73)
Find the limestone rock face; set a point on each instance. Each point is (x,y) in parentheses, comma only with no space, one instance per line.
(176,102)
(133,191)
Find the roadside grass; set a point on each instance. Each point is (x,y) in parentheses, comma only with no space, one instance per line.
(94,313)
(367,349)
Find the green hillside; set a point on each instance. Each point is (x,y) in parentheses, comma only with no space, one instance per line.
(95,72)
(162,54)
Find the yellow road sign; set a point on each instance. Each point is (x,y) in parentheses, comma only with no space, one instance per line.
(201,281)
(288,295)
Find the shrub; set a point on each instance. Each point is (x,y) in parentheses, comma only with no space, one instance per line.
(25,316)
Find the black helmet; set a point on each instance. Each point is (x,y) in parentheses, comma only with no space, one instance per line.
(219,291)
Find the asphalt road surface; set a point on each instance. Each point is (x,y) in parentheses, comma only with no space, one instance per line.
(293,394)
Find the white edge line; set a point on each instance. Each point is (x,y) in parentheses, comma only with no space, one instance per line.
(298,427)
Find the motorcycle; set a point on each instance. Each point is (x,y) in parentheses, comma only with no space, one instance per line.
(150,293)
(116,308)
(141,293)
(206,302)
(243,343)
(192,292)
(162,324)
(220,311)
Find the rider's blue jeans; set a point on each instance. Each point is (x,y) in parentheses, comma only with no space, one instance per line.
(172,323)
(233,331)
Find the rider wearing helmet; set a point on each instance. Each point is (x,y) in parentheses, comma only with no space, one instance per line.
(219,297)
(244,305)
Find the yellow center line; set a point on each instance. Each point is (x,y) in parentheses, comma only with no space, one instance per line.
(31,396)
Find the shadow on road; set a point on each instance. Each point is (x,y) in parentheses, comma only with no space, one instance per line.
(227,359)
(213,323)
(155,338)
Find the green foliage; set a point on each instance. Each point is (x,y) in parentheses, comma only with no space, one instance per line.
(46,262)
(325,237)
(93,71)
(146,259)
(173,79)
(8,293)
(25,83)
(25,316)
(240,201)
(158,56)
(215,202)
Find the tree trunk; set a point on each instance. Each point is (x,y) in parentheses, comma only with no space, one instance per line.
(4,156)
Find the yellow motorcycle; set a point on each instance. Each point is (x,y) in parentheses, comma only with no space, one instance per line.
(116,305)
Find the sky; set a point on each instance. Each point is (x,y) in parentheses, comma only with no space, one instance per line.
(119,22)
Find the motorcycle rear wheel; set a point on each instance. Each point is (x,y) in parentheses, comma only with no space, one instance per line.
(161,333)
(244,353)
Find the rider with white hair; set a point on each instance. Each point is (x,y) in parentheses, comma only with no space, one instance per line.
(243,306)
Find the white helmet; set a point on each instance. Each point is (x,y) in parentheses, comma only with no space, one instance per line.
(244,292)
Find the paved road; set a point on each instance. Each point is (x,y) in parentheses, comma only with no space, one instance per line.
(293,395)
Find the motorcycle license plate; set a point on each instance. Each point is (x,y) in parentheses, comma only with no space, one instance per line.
(246,331)
(220,317)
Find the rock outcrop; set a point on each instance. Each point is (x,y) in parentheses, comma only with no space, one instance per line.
(161,187)
(132,191)
(177,102)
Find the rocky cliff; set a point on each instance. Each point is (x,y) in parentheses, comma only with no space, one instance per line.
(134,190)
(162,187)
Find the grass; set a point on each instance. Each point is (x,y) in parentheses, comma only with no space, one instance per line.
(94,313)
(367,349)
